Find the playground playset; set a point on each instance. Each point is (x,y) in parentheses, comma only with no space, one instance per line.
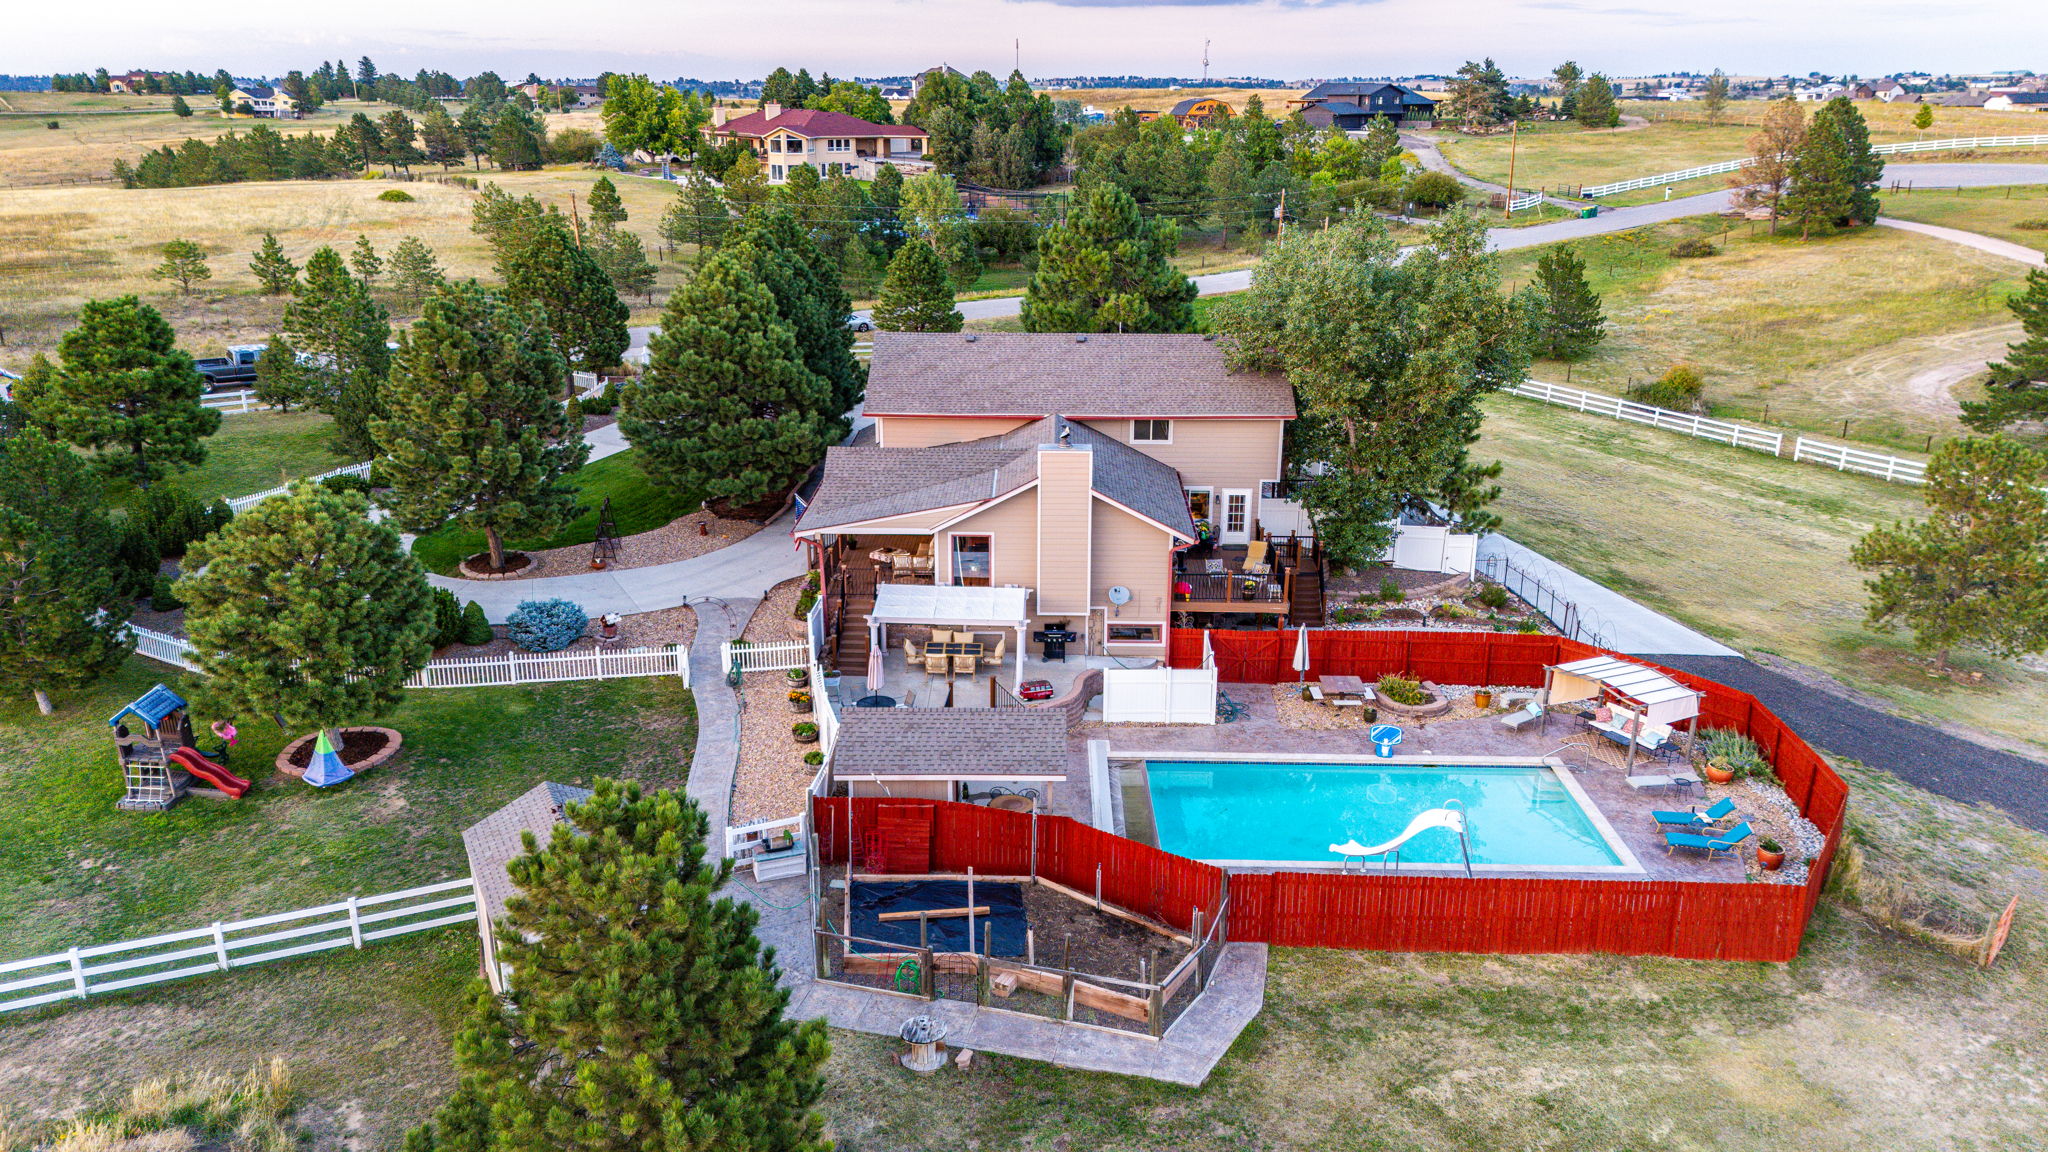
(160,763)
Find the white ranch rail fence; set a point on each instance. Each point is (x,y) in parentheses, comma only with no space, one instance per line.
(1524,203)
(233,403)
(219,947)
(1954,144)
(484,671)
(1843,458)
(241,504)
(1692,424)
(770,657)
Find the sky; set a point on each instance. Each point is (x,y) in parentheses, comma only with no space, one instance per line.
(1283,39)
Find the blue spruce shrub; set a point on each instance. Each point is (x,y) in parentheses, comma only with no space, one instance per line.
(546,625)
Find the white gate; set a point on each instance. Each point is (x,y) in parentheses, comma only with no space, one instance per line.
(1426,548)
(1159,695)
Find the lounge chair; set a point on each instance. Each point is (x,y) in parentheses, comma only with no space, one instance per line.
(910,652)
(1527,712)
(1715,846)
(1722,811)
(993,658)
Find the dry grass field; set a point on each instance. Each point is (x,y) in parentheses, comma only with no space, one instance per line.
(60,247)
(91,136)
(1992,211)
(1879,327)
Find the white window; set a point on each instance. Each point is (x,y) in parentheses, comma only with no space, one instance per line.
(838,145)
(775,171)
(1151,431)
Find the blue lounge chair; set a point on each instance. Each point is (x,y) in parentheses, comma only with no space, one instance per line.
(1715,846)
(1696,819)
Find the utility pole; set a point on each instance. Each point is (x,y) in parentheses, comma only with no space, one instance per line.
(1280,216)
(576,218)
(1205,61)
(1514,134)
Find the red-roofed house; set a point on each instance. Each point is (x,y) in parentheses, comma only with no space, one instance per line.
(828,141)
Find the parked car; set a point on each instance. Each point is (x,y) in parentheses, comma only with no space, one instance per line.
(235,370)
(859,323)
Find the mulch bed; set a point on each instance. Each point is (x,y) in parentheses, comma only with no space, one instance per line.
(478,567)
(356,747)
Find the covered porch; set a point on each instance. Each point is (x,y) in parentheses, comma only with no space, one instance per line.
(947,633)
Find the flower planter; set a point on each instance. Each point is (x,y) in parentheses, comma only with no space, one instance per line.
(1770,861)
(1482,699)
(797,677)
(1718,773)
(799,702)
(804,733)
(1437,705)
(392,743)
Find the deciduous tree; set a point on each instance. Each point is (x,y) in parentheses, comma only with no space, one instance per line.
(63,623)
(272,268)
(185,263)
(1108,269)
(1761,183)
(917,295)
(123,392)
(1975,572)
(476,433)
(643,1011)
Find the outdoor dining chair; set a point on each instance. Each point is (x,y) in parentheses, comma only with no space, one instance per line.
(994,658)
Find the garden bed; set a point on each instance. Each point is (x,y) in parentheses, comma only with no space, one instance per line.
(640,630)
(771,779)
(684,538)
(362,748)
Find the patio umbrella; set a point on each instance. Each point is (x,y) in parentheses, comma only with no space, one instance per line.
(1301,651)
(325,768)
(874,669)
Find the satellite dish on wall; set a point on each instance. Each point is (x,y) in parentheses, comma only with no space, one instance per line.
(1119,595)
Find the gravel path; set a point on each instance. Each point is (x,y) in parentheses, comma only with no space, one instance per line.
(1916,753)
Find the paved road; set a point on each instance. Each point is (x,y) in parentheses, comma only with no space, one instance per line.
(1916,753)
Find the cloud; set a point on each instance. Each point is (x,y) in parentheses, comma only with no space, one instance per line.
(1198,3)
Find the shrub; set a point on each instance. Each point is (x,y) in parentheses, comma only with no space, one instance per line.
(804,602)
(574,412)
(447,618)
(395,196)
(476,627)
(1355,615)
(605,402)
(138,561)
(1681,389)
(546,625)
(162,598)
(1493,596)
(1390,591)
(570,146)
(814,757)
(1696,247)
(1402,690)
(174,521)
(1528,627)
(1737,752)
(1769,844)
(1450,612)
(1433,190)
(348,482)
(52,125)
(2037,224)
(805,729)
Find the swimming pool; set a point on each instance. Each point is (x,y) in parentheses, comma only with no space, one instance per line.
(1519,816)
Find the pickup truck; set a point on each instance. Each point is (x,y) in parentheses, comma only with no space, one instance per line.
(237,369)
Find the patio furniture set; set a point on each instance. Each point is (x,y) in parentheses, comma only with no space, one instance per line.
(950,653)
(905,565)
(1345,692)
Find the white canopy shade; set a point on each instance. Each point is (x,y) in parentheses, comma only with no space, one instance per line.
(949,604)
(1664,700)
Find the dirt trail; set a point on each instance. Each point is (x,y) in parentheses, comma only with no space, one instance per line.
(1927,369)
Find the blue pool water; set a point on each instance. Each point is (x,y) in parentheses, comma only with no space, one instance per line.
(1517,815)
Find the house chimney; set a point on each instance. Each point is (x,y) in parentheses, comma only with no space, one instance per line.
(770,109)
(719,115)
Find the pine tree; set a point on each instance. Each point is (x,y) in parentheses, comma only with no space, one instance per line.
(62,620)
(364,261)
(184,262)
(746,188)
(273,269)
(1565,310)
(643,1012)
(808,296)
(547,268)
(1233,194)
(1923,118)
(1596,107)
(1714,98)
(726,406)
(1975,572)
(1842,127)
(625,260)
(917,295)
(304,610)
(606,209)
(414,271)
(179,108)
(703,215)
(123,392)
(1108,269)
(2018,388)
(342,336)
(475,434)
(476,627)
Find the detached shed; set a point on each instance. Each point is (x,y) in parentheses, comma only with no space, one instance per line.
(943,753)
(493,842)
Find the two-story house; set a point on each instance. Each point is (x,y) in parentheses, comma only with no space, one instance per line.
(1111,480)
(1200,112)
(1352,106)
(828,141)
(265,102)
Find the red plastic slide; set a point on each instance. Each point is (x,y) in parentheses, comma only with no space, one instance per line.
(210,772)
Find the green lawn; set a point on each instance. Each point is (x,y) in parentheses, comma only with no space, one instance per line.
(637,506)
(371,1026)
(1991,211)
(1748,548)
(1879,327)
(258,450)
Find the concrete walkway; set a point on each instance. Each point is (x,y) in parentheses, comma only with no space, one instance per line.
(715,761)
(1980,242)
(1625,625)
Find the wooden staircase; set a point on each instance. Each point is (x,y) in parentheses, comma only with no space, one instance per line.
(1305,590)
(850,651)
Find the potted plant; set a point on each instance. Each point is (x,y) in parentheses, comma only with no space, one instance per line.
(814,757)
(781,840)
(798,677)
(1718,771)
(799,701)
(1482,699)
(805,732)
(608,626)
(1770,855)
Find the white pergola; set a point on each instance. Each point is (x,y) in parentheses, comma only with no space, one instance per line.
(945,606)
(1659,698)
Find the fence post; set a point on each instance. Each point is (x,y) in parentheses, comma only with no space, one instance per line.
(220,947)
(77,973)
(355,924)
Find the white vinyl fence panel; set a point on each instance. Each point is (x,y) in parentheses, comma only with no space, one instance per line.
(1431,548)
(233,403)
(218,947)
(241,504)
(1690,423)
(770,657)
(1954,144)
(1159,695)
(483,671)
(1843,458)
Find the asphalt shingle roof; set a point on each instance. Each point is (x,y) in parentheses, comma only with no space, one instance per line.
(1041,373)
(811,122)
(951,742)
(494,841)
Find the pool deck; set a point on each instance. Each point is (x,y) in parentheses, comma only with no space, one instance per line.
(1262,734)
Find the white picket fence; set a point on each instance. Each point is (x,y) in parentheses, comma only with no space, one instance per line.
(233,403)
(81,972)
(1690,423)
(1954,144)
(484,671)
(1524,203)
(1843,458)
(770,657)
(241,504)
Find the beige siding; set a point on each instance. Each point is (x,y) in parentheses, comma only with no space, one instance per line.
(925,431)
(1213,453)
(1065,506)
(1014,526)
(903,789)
(1135,554)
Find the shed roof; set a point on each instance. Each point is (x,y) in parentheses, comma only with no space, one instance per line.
(1031,374)
(951,743)
(493,842)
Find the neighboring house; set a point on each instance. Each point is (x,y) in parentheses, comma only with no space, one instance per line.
(1954,99)
(265,102)
(1890,90)
(1200,111)
(828,141)
(1352,106)
(917,81)
(2017,102)
(130,83)
(1817,95)
(494,842)
(1116,477)
(1675,94)
(585,93)
(1858,91)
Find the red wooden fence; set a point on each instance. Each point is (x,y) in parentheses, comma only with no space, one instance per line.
(1704,921)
